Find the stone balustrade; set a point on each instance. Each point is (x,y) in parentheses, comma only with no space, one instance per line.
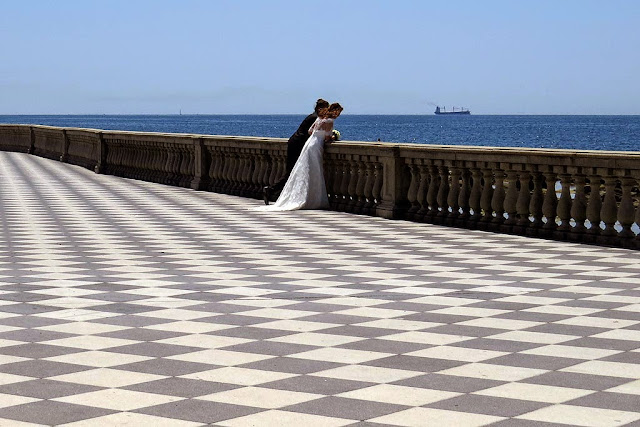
(582,196)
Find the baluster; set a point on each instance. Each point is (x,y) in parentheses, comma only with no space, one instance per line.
(266,169)
(432,194)
(337,184)
(412,193)
(535,206)
(247,171)
(609,211)
(476,195)
(421,194)
(579,207)
(360,197)
(594,206)
(258,172)
(497,201)
(189,166)
(226,167)
(637,239)
(281,164)
(236,173)
(353,183)
(443,194)
(564,207)
(463,198)
(454,194)
(330,174)
(344,199)
(368,189)
(217,165)
(626,210)
(377,183)
(487,195)
(550,203)
(511,200)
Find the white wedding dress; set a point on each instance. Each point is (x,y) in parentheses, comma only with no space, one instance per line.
(305,188)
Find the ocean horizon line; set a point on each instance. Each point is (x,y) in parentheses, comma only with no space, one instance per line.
(303,113)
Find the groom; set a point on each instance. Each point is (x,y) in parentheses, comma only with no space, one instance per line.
(294,147)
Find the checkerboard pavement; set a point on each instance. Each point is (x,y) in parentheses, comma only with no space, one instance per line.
(126,302)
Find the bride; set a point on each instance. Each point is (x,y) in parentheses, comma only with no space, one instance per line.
(305,188)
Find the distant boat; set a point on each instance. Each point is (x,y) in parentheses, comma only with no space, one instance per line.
(454,111)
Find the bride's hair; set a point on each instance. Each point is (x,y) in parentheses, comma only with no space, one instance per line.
(335,107)
(321,103)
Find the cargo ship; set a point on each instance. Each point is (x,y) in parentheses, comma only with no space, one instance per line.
(443,110)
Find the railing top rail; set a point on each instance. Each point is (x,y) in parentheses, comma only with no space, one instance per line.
(406,149)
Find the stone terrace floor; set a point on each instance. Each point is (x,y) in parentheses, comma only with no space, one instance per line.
(129,302)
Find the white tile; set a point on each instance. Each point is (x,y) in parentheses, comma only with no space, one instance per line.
(581,416)
(535,392)
(285,419)
(261,397)
(493,372)
(457,353)
(399,395)
(240,376)
(420,417)
(104,377)
(118,399)
(610,369)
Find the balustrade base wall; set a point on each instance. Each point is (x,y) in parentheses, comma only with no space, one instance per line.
(588,197)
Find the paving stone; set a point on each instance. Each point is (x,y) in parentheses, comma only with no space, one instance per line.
(124,301)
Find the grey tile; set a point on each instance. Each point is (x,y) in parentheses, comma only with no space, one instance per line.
(290,365)
(152,349)
(123,308)
(273,348)
(533,361)
(252,333)
(609,400)
(37,351)
(30,321)
(318,385)
(602,343)
(141,334)
(575,380)
(632,357)
(234,319)
(41,368)
(384,346)
(340,407)
(497,406)
(33,335)
(167,367)
(46,389)
(449,383)
(358,331)
(497,345)
(27,309)
(49,412)
(412,363)
(199,411)
(181,387)
(132,321)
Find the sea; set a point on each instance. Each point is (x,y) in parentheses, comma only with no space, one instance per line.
(612,133)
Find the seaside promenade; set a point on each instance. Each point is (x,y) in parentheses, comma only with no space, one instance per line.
(125,302)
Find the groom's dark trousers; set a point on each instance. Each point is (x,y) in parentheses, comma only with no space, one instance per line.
(294,147)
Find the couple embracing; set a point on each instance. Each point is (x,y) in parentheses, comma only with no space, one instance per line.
(303,187)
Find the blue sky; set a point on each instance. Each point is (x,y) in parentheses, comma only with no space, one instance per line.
(272,57)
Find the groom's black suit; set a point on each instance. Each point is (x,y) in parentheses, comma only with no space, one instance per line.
(294,147)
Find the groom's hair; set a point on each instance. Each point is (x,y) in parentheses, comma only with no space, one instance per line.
(321,103)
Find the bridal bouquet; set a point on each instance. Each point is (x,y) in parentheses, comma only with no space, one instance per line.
(336,135)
